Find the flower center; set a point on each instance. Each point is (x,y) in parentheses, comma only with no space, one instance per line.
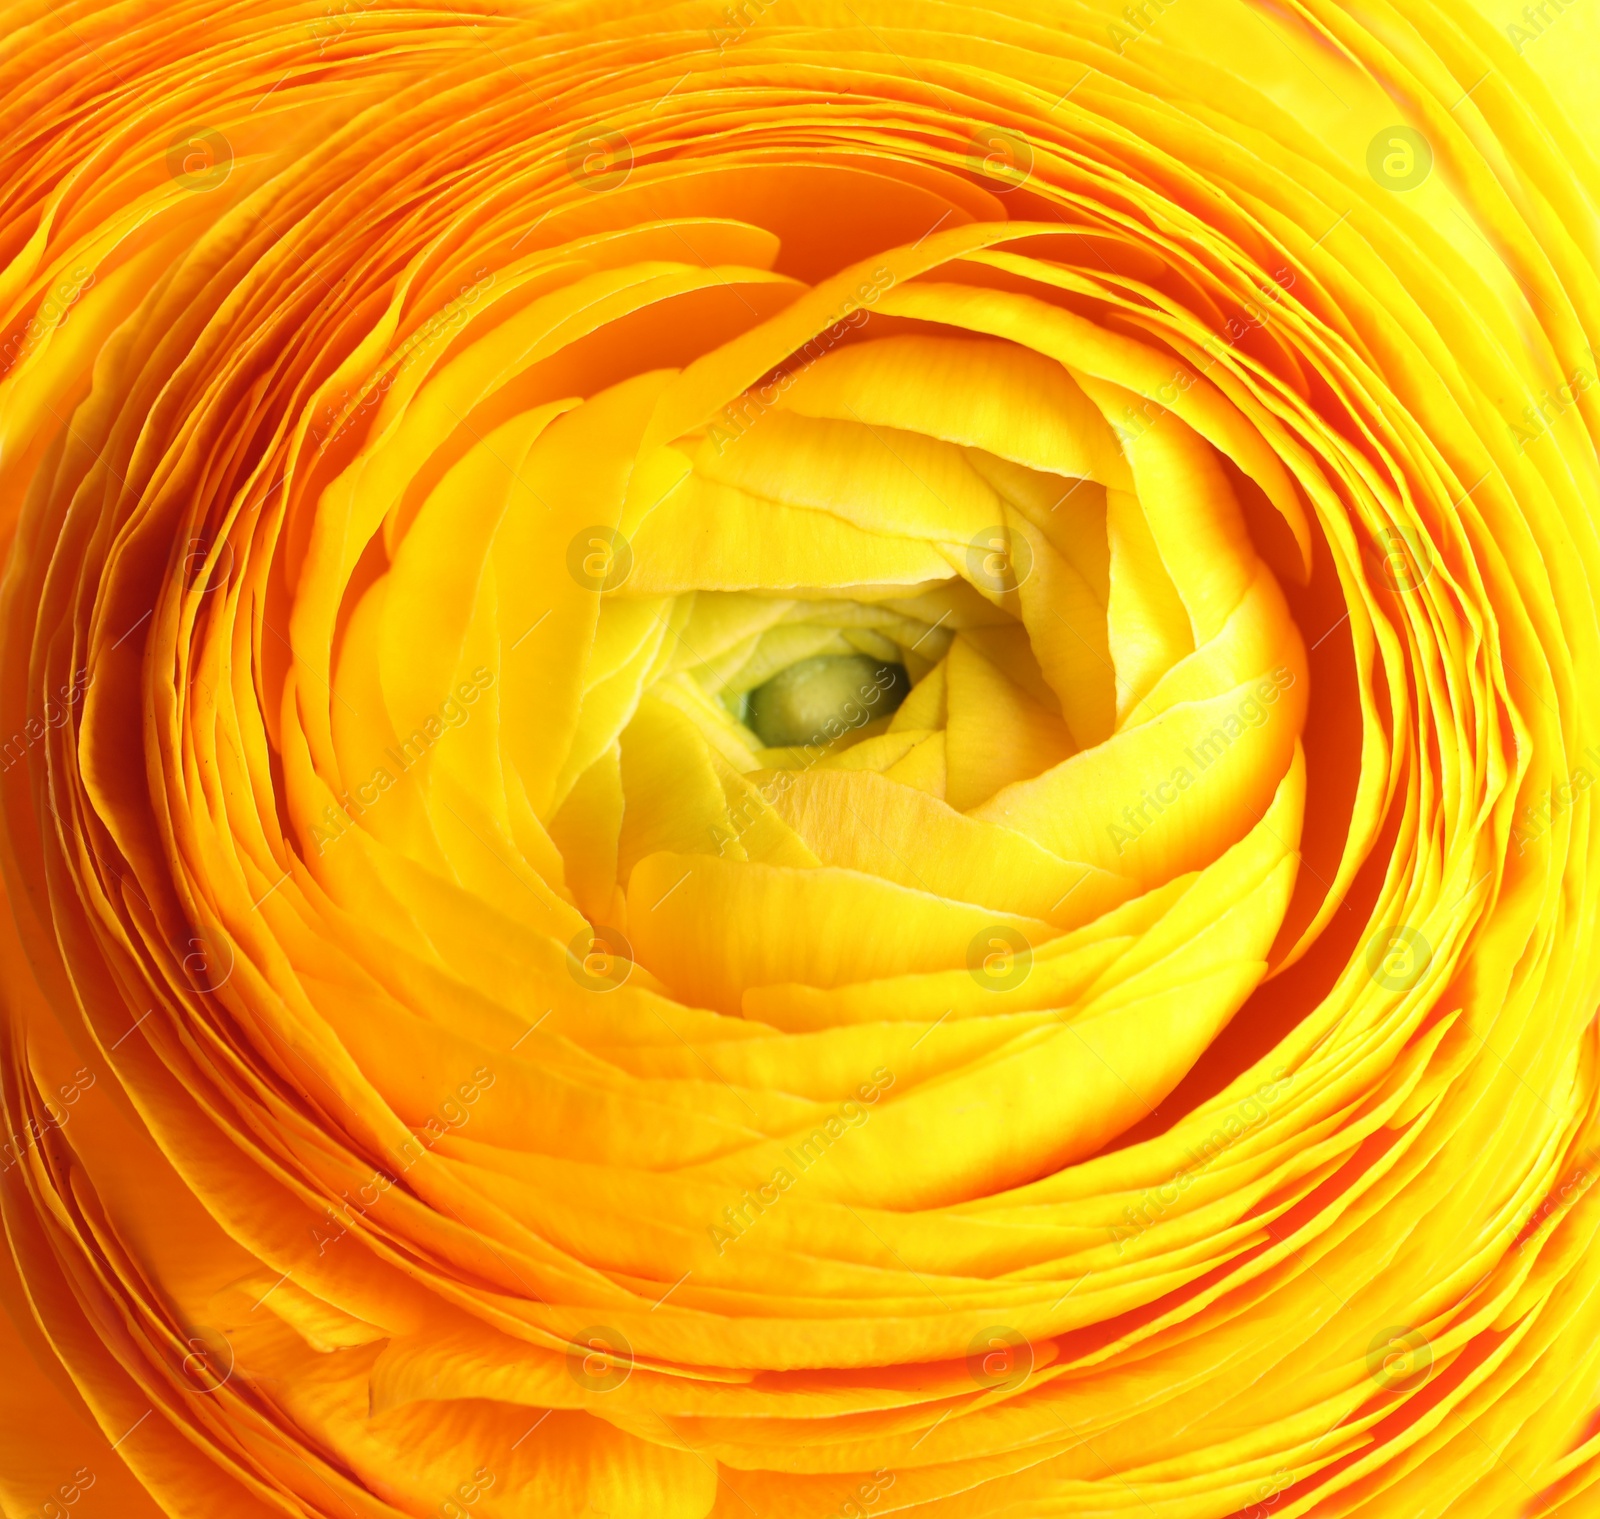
(821,698)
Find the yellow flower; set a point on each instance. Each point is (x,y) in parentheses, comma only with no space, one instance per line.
(798,759)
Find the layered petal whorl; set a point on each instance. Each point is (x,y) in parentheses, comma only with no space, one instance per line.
(806,761)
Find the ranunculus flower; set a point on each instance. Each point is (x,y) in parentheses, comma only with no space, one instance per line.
(801,760)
